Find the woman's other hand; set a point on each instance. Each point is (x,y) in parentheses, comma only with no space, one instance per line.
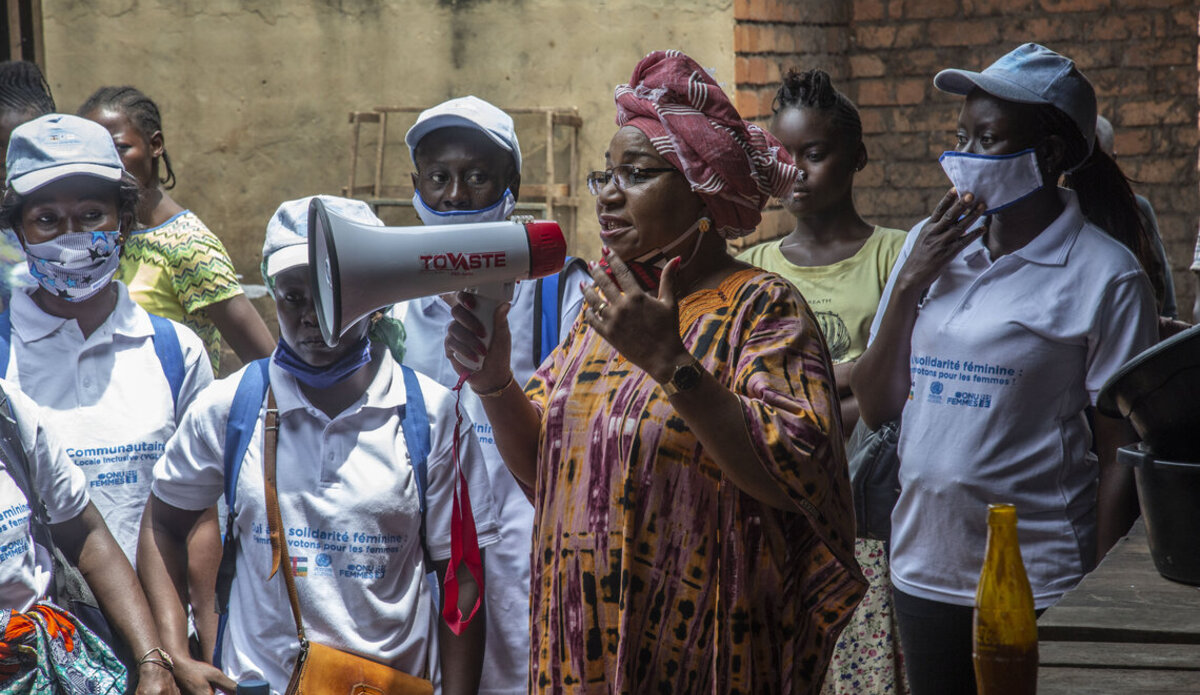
(464,336)
(153,679)
(198,678)
(941,239)
(643,327)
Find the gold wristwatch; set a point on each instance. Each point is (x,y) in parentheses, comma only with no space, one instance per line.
(685,378)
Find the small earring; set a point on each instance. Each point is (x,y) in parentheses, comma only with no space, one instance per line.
(704,225)
(802,175)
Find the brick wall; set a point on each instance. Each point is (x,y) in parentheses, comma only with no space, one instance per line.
(1141,55)
(771,36)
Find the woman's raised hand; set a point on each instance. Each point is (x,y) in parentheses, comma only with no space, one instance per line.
(643,327)
(942,238)
(464,337)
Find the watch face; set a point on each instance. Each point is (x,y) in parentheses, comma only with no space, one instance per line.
(685,377)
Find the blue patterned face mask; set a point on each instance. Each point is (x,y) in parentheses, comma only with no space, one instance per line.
(77,265)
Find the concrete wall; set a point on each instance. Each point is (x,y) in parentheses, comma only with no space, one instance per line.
(255,94)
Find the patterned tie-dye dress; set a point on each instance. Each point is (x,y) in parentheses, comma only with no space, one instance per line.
(652,573)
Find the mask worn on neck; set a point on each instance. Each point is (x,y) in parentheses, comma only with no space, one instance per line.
(497,212)
(322,377)
(648,267)
(997,180)
(77,265)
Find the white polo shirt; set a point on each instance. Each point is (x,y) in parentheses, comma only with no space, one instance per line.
(506,659)
(106,397)
(349,504)
(25,567)
(1006,356)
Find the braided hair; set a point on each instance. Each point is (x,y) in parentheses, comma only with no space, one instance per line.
(23,89)
(140,109)
(1103,192)
(813,89)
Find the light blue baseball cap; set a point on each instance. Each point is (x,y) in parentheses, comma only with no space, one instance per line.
(1032,74)
(286,245)
(467,112)
(56,145)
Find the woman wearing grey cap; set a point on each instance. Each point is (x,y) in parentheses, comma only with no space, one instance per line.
(79,348)
(1007,310)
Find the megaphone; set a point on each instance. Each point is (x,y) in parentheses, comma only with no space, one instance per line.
(357,269)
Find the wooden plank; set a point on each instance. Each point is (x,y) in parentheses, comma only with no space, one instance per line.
(39,43)
(1083,681)
(14,29)
(379,154)
(1157,624)
(1120,655)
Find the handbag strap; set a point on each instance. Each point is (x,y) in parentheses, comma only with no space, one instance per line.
(279,553)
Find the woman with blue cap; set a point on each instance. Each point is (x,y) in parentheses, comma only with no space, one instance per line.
(96,364)
(1007,310)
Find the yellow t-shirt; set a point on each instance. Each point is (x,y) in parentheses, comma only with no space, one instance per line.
(845,295)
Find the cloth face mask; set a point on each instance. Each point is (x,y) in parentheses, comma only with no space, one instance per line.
(77,265)
(497,212)
(997,180)
(322,377)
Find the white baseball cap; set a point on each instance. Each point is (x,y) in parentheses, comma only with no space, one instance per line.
(467,112)
(286,245)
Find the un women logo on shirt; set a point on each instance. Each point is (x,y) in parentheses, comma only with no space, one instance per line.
(935,392)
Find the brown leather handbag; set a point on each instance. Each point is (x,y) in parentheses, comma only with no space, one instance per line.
(320,669)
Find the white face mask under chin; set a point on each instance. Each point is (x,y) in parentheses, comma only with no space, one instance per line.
(997,180)
(659,257)
(497,212)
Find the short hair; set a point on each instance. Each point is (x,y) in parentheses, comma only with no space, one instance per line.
(140,109)
(813,89)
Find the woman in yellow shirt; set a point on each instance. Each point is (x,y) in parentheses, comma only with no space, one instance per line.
(840,263)
(174,266)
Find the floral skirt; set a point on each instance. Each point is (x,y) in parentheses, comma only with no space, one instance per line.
(867,660)
(46,650)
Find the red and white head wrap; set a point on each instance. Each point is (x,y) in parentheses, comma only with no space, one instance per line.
(733,165)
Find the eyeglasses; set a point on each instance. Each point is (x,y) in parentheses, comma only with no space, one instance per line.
(626,175)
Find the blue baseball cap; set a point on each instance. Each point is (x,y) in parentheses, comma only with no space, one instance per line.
(56,145)
(286,245)
(1032,74)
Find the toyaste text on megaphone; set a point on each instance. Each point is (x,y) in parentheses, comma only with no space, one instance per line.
(357,269)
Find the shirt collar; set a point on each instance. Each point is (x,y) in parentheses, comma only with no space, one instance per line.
(386,390)
(32,323)
(1053,245)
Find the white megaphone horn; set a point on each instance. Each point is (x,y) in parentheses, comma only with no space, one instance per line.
(357,269)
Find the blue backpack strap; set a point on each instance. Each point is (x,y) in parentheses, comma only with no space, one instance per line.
(170,354)
(239,429)
(548,312)
(415,424)
(5,340)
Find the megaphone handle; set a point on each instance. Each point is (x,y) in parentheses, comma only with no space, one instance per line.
(485,311)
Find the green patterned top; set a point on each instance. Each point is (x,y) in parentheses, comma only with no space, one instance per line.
(177,269)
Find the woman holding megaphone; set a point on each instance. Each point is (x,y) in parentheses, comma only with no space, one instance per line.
(682,447)
(341,472)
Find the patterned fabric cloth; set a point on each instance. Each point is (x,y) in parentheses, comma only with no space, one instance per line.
(46,650)
(735,166)
(653,572)
(177,269)
(867,659)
